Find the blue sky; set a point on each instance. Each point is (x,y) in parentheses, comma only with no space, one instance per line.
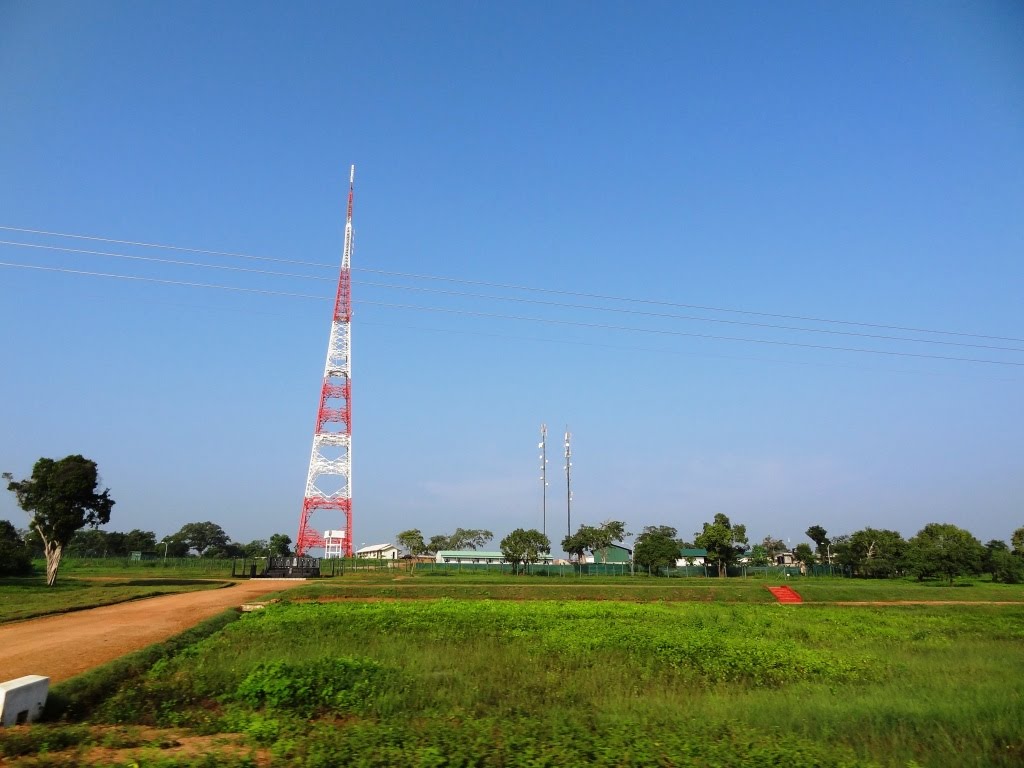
(858,162)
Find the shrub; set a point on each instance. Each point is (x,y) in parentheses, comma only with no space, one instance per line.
(329,685)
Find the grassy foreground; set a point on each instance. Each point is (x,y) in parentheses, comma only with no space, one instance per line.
(29,597)
(551,683)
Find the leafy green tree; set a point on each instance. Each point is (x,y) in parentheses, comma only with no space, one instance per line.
(724,541)
(255,548)
(524,546)
(33,541)
(1003,565)
(203,536)
(804,554)
(15,555)
(871,552)
(604,535)
(575,544)
(463,538)
(943,549)
(229,549)
(1006,567)
(759,555)
(280,545)
(773,547)
(656,547)
(137,540)
(597,538)
(469,538)
(173,546)
(991,547)
(412,541)
(1018,542)
(438,543)
(61,498)
(88,543)
(819,536)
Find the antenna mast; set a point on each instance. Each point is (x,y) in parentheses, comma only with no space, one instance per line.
(543,445)
(568,480)
(329,481)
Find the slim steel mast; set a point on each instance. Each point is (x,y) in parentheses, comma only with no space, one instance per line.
(543,445)
(568,481)
(329,481)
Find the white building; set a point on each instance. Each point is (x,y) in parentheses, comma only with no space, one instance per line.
(379,552)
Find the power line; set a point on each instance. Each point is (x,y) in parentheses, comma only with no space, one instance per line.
(490,315)
(667,316)
(155,259)
(682,333)
(164,281)
(167,247)
(510,286)
(515,299)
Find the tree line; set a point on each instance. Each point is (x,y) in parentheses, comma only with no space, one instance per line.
(938,550)
(62,498)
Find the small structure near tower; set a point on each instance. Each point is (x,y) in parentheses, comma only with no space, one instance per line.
(334,544)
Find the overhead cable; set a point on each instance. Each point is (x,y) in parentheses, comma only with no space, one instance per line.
(515,299)
(510,286)
(471,313)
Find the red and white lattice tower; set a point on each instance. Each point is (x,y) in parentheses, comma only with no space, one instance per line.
(329,482)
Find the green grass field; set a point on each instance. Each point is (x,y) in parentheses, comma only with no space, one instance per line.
(511,677)
(483,586)
(29,597)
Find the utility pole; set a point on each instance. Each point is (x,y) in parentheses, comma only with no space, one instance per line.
(568,481)
(331,457)
(543,445)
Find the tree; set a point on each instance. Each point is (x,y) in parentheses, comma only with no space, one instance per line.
(280,545)
(202,536)
(255,548)
(759,555)
(871,552)
(524,546)
(227,550)
(943,549)
(437,544)
(412,541)
(576,544)
(1005,567)
(88,543)
(773,547)
(656,547)
(137,540)
(819,536)
(1018,542)
(463,538)
(174,546)
(61,498)
(596,538)
(15,555)
(724,541)
(804,554)
(469,538)
(604,535)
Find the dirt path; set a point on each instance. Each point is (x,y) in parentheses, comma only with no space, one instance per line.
(62,646)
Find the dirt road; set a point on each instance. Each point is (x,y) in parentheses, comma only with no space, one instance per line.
(62,646)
